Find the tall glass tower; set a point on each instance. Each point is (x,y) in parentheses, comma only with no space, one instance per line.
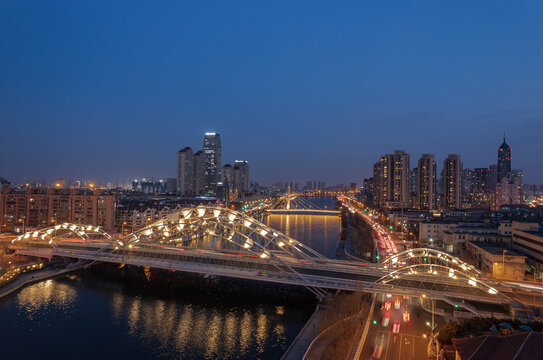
(212,162)
(504,161)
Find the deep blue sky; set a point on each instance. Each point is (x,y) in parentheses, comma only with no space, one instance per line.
(301,89)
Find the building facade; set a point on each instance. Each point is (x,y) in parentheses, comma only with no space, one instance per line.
(185,172)
(528,240)
(212,160)
(452,168)
(199,173)
(243,166)
(480,180)
(504,162)
(151,186)
(493,168)
(508,193)
(427,185)
(391,176)
(38,208)
(498,261)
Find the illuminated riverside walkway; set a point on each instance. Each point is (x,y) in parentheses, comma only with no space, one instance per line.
(224,242)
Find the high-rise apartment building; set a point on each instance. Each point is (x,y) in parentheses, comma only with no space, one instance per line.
(508,193)
(504,161)
(391,176)
(493,181)
(452,168)
(517,176)
(467,181)
(427,185)
(382,179)
(480,181)
(402,171)
(185,172)
(212,159)
(414,181)
(37,208)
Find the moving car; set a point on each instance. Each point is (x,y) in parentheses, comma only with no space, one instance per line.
(396,327)
(385,321)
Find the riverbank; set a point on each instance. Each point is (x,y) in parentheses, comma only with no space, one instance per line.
(34,276)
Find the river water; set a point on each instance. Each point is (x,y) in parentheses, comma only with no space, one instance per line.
(91,316)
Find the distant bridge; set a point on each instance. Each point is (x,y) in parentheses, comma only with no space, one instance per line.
(296,204)
(224,242)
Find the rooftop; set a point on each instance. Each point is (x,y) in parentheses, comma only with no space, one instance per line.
(524,346)
(494,249)
(536,233)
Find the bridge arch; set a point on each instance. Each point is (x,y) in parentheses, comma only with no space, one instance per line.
(84,233)
(226,230)
(429,256)
(233,227)
(422,268)
(429,272)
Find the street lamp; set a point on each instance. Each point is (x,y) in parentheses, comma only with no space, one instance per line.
(503,262)
(23,221)
(122,228)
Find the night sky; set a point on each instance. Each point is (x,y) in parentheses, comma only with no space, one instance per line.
(303,90)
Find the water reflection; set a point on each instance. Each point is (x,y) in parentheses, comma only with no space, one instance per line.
(132,324)
(138,326)
(316,231)
(191,330)
(42,295)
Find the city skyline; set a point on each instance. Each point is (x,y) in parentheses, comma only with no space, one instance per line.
(265,180)
(92,94)
(124,180)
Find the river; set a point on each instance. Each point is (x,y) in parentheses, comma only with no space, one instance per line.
(90,315)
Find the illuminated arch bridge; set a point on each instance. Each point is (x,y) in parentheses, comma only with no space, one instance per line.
(298,204)
(224,242)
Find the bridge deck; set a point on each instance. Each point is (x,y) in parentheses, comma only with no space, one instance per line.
(303,212)
(322,273)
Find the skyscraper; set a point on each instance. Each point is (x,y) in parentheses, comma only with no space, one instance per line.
(426,192)
(244,175)
(227,175)
(504,161)
(199,173)
(212,159)
(185,172)
(227,179)
(452,167)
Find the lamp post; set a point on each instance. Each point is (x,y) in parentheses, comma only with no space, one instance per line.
(503,262)
(23,221)
(433,312)
(54,221)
